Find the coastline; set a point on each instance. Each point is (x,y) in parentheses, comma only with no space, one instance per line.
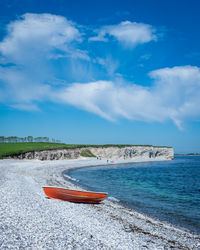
(31,220)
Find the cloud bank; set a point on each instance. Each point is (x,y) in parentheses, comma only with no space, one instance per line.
(28,73)
(173,96)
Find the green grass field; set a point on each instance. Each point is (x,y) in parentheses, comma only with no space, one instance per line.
(87,153)
(15,148)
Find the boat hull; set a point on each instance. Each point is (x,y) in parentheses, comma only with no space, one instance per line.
(73,195)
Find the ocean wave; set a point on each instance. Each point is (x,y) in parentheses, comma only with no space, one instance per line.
(111,198)
(71,178)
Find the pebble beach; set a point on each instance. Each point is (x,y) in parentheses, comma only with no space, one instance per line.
(29,220)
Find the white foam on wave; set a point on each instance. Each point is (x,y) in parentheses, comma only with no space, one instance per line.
(113,199)
(71,178)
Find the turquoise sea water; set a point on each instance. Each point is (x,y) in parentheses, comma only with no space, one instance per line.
(167,190)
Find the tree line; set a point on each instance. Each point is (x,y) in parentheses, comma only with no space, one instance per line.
(4,139)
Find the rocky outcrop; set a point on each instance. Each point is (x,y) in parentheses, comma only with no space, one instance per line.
(111,152)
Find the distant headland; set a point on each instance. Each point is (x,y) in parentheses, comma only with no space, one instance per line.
(61,151)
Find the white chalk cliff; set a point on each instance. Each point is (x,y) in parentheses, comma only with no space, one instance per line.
(108,152)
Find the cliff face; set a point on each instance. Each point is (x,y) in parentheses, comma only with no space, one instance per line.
(134,152)
(131,152)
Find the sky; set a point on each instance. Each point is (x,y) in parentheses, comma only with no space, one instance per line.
(101,72)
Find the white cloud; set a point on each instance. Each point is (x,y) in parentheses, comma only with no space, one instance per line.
(22,87)
(27,52)
(128,33)
(112,100)
(174,96)
(38,35)
(29,77)
(179,89)
(86,96)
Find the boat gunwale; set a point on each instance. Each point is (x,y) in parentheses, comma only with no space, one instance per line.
(75,190)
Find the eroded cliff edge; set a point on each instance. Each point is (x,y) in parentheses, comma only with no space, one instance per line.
(111,152)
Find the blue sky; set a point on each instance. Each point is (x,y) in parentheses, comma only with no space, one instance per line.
(101,72)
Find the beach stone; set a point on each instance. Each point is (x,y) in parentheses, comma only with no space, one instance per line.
(28,220)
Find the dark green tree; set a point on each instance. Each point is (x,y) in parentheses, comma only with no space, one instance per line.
(30,138)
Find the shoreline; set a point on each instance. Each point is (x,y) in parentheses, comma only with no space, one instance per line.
(114,199)
(66,225)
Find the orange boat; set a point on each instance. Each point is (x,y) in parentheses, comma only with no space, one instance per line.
(73,195)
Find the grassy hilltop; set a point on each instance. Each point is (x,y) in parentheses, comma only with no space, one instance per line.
(22,147)
(15,148)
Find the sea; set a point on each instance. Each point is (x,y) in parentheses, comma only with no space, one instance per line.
(167,190)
